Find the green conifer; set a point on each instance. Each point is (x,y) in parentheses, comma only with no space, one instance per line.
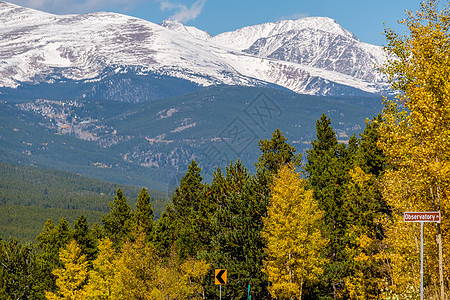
(276,152)
(85,238)
(118,223)
(185,212)
(328,171)
(144,213)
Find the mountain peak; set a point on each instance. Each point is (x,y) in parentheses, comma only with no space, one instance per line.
(177,26)
(172,24)
(320,23)
(244,37)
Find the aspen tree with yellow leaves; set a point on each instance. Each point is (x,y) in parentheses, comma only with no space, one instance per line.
(293,238)
(415,137)
(72,277)
(141,274)
(103,273)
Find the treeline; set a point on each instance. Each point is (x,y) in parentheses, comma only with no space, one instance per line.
(268,229)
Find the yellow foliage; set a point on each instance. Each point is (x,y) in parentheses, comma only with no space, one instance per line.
(70,279)
(141,274)
(291,231)
(365,246)
(101,277)
(136,271)
(415,137)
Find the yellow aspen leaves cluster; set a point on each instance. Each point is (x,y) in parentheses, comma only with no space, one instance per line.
(134,273)
(71,279)
(294,241)
(415,137)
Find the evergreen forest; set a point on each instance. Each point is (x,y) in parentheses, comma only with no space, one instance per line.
(328,225)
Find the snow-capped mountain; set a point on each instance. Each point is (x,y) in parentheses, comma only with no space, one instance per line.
(244,37)
(320,43)
(190,30)
(310,55)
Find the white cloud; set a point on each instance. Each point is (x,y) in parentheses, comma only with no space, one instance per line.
(75,6)
(296,16)
(183,12)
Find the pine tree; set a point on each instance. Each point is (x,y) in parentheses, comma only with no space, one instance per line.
(118,223)
(84,236)
(185,196)
(144,213)
(294,241)
(164,235)
(276,152)
(186,212)
(19,272)
(46,242)
(235,240)
(328,169)
(52,239)
(370,156)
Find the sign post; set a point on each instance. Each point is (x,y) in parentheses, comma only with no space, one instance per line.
(220,278)
(422,217)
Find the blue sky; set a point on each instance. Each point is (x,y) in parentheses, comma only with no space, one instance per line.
(362,17)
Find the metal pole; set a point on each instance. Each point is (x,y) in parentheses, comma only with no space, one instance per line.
(220,291)
(421,260)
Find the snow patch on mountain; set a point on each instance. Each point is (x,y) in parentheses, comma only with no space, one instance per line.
(310,55)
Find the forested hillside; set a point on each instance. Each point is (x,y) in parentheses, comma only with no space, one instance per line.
(29,196)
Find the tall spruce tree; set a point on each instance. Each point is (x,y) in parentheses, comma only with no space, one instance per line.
(328,169)
(236,242)
(52,239)
(366,210)
(85,238)
(118,223)
(185,212)
(275,153)
(164,234)
(144,213)
(19,272)
(370,156)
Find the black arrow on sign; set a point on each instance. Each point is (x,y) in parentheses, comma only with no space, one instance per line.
(219,276)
